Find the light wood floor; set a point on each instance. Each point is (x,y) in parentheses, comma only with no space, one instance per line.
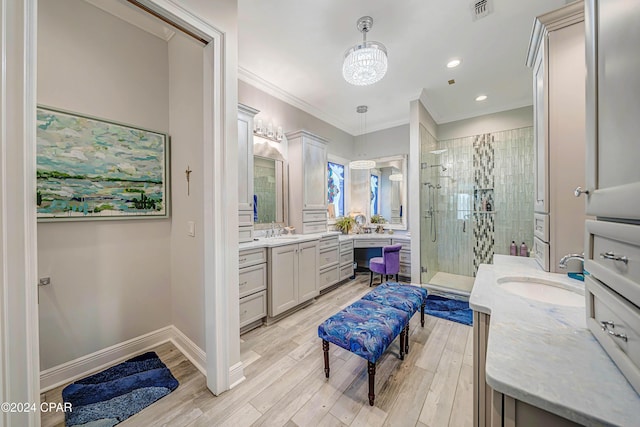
(286,386)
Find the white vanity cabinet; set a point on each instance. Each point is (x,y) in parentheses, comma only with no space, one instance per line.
(307,182)
(405,256)
(346,260)
(293,275)
(245,172)
(557,57)
(252,283)
(329,261)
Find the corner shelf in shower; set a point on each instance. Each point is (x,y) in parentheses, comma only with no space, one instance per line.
(484,212)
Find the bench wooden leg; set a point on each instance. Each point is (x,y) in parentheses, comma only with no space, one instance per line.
(422,315)
(402,343)
(406,340)
(371,368)
(325,349)
(371,278)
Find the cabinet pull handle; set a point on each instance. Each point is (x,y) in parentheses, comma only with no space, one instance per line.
(243,283)
(579,192)
(613,257)
(243,259)
(605,327)
(250,204)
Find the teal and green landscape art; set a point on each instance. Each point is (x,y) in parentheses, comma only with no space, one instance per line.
(93,169)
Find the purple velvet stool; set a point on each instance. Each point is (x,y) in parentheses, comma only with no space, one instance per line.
(387,264)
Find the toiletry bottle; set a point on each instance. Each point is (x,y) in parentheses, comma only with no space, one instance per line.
(484,204)
(523,249)
(513,249)
(489,205)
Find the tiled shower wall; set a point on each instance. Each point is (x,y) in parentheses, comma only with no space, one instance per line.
(428,233)
(495,167)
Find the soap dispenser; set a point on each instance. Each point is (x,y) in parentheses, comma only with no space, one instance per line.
(523,249)
(513,249)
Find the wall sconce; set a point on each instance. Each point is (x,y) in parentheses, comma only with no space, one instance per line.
(267,132)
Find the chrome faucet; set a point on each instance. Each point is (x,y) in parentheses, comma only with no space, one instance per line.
(566,258)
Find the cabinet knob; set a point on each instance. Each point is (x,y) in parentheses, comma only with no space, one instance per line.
(579,191)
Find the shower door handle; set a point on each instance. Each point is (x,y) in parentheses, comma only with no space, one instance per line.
(464,226)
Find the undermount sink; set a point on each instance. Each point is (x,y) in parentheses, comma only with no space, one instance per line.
(541,290)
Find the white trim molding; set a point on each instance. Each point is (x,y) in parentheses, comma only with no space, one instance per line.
(102,359)
(236,375)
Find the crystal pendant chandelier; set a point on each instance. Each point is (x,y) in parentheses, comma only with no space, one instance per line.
(365,63)
(363,164)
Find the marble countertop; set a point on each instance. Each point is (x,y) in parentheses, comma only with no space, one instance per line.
(543,354)
(397,236)
(271,242)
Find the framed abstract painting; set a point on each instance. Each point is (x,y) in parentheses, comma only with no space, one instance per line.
(89,168)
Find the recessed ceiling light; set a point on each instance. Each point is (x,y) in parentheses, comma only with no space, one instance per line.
(481,98)
(453,63)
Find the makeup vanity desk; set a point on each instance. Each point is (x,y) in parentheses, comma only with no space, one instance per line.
(367,246)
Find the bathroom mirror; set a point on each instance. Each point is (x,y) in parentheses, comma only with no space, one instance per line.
(269,187)
(382,191)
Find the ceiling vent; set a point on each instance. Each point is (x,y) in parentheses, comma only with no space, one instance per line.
(481,8)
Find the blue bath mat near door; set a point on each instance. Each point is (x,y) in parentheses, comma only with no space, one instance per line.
(113,395)
(450,309)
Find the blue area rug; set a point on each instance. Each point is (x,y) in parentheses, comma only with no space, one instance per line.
(113,395)
(450,309)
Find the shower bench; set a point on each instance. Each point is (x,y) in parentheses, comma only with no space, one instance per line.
(368,326)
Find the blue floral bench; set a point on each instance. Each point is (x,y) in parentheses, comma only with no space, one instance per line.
(368,326)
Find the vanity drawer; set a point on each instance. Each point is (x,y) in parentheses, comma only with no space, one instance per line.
(615,323)
(329,242)
(405,257)
(371,243)
(346,271)
(245,218)
(252,279)
(346,246)
(405,270)
(245,234)
(346,257)
(613,256)
(329,277)
(328,256)
(252,257)
(541,226)
(541,253)
(312,216)
(252,308)
(406,244)
(314,227)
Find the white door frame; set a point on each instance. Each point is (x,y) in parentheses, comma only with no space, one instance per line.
(19,340)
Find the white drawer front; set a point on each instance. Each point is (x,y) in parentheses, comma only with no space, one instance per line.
(346,271)
(328,242)
(346,257)
(245,218)
(616,325)
(371,243)
(252,279)
(405,270)
(245,234)
(314,227)
(406,244)
(405,257)
(541,226)
(346,246)
(312,216)
(329,277)
(252,257)
(328,257)
(253,307)
(541,253)
(613,256)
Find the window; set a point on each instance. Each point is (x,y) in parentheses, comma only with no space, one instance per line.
(335,186)
(374,194)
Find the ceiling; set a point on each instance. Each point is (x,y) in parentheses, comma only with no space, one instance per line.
(293,49)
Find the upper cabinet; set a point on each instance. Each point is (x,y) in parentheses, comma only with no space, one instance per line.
(307,182)
(556,56)
(245,171)
(613,125)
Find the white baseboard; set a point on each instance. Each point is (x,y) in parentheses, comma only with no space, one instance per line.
(101,359)
(236,375)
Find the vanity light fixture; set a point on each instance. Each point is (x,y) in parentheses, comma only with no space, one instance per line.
(395,177)
(268,132)
(362,164)
(366,62)
(454,63)
(481,98)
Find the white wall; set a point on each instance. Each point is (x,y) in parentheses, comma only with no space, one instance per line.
(110,279)
(383,143)
(292,119)
(504,120)
(185,93)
